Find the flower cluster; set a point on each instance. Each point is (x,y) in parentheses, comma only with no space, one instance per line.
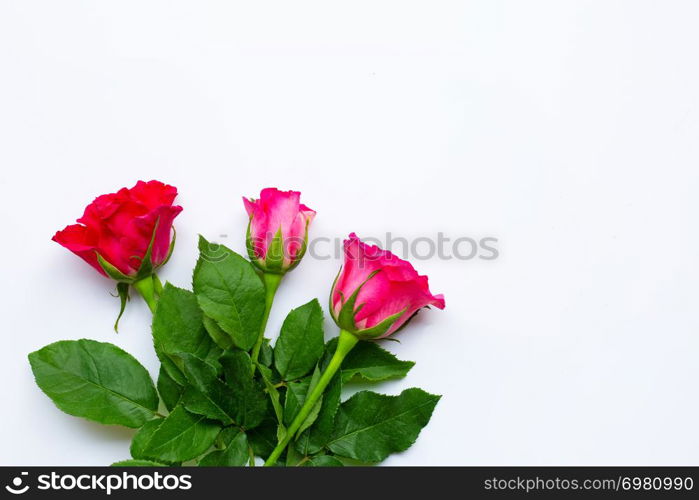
(219,374)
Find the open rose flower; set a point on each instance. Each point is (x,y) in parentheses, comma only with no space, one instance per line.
(125,235)
(278,231)
(376,293)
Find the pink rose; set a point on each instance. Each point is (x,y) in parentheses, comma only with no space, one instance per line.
(376,293)
(119,228)
(278,230)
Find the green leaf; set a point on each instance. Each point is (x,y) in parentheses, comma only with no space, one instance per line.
(221,338)
(316,437)
(178,327)
(143,437)
(300,342)
(234,454)
(138,463)
(230,292)
(182,436)
(169,390)
(293,458)
(293,400)
(96,381)
(263,438)
(250,400)
(296,394)
(315,411)
(272,391)
(266,353)
(323,461)
(371,426)
(370,362)
(207,394)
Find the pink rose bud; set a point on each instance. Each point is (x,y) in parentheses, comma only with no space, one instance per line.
(278,230)
(125,235)
(376,293)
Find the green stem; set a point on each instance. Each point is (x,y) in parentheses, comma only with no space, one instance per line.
(345,342)
(271,282)
(157,285)
(146,288)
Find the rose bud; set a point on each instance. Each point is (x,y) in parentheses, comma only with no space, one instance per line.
(278,230)
(127,236)
(376,293)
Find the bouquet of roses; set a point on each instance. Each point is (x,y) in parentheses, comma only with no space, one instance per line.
(224,395)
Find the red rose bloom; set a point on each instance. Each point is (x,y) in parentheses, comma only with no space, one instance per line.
(119,227)
(376,293)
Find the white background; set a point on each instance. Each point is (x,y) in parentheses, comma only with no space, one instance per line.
(566,129)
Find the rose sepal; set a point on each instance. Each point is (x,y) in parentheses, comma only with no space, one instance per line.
(113,272)
(274,260)
(346,321)
(123,292)
(378,330)
(301,252)
(145,281)
(145,270)
(348,311)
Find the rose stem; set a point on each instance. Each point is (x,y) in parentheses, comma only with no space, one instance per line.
(158,286)
(345,342)
(147,290)
(271,282)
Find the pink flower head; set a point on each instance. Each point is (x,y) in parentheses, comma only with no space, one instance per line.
(117,230)
(278,231)
(376,293)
